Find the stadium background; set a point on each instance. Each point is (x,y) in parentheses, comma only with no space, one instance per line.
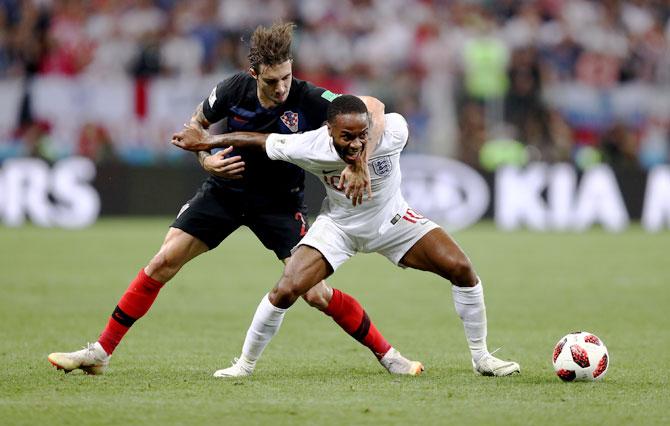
(574,95)
(487,83)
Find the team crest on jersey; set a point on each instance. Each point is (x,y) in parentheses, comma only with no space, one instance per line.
(382,166)
(290,119)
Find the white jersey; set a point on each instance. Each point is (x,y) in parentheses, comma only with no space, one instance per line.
(314,152)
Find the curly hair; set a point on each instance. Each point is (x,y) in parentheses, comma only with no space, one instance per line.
(271,46)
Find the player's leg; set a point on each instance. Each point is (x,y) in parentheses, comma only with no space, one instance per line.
(305,268)
(348,313)
(437,252)
(201,224)
(281,233)
(177,249)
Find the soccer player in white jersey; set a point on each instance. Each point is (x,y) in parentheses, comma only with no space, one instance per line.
(384,224)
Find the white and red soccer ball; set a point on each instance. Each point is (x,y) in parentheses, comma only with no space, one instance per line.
(580,356)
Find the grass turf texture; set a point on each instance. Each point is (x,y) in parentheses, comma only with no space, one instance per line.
(58,288)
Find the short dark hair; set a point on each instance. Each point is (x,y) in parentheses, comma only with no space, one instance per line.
(271,46)
(345,104)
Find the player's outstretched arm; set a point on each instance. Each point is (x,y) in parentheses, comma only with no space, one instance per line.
(195,139)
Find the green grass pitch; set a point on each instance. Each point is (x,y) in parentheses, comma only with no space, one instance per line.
(58,288)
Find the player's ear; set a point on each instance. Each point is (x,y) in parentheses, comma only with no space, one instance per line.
(330,129)
(252,72)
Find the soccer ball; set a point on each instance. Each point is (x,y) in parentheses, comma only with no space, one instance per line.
(580,356)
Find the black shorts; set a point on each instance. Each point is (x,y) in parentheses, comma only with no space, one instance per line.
(214,213)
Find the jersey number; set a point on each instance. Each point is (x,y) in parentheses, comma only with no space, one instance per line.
(412,217)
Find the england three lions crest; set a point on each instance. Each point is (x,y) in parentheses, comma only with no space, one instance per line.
(290,119)
(382,166)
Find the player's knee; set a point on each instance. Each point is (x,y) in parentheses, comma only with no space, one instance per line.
(163,266)
(316,298)
(283,296)
(286,292)
(462,273)
(311,299)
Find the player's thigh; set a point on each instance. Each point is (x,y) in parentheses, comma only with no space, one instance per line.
(399,238)
(306,268)
(177,249)
(279,231)
(210,216)
(183,245)
(330,241)
(318,296)
(437,252)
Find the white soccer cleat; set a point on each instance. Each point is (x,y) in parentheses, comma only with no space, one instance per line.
(395,363)
(489,365)
(240,368)
(92,359)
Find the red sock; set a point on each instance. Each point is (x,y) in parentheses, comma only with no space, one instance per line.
(350,315)
(134,303)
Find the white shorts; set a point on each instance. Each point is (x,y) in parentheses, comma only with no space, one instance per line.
(337,246)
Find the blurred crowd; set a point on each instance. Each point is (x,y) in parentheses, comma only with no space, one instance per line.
(487,82)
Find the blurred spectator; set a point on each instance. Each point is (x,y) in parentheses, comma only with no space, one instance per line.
(485,60)
(524,108)
(95,143)
(620,147)
(226,57)
(68,47)
(144,22)
(655,144)
(143,18)
(33,137)
(7,62)
(114,50)
(180,54)
(562,144)
(30,36)
(473,132)
(148,61)
(199,19)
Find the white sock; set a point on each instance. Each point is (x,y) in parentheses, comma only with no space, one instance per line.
(469,303)
(264,326)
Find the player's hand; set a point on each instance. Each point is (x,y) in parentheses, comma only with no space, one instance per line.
(355,181)
(192,138)
(228,168)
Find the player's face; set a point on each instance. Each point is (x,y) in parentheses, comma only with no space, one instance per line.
(350,135)
(274,83)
